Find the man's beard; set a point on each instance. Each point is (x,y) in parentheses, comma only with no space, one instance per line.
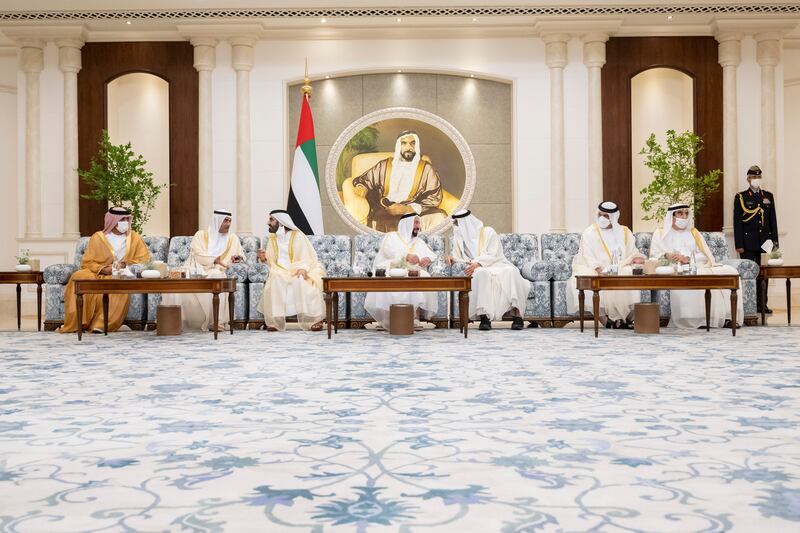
(414,232)
(409,155)
(273,229)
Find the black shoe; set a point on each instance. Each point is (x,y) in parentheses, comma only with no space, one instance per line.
(533,325)
(728,324)
(517,324)
(768,310)
(486,324)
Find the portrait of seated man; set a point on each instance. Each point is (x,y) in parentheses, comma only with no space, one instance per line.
(402,184)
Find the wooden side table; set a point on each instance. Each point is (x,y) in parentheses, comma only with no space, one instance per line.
(25,278)
(777,272)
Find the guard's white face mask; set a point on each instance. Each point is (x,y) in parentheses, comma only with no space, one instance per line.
(755,183)
(603,222)
(682,223)
(123,226)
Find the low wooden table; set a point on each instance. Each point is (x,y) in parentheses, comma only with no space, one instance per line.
(333,286)
(108,286)
(777,272)
(23,278)
(656,283)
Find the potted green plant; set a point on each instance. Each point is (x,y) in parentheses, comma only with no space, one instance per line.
(775,257)
(118,176)
(675,178)
(23,261)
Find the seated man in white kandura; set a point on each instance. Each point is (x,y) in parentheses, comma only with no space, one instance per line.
(604,243)
(679,241)
(403,245)
(497,285)
(212,251)
(294,285)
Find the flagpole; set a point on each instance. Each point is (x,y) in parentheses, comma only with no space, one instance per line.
(306,83)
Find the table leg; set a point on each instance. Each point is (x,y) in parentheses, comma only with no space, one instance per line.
(581,305)
(734,298)
(39,307)
(79,310)
(463,307)
(19,307)
(596,311)
(335,305)
(231,303)
(328,312)
(708,310)
(788,300)
(762,299)
(105,314)
(215,308)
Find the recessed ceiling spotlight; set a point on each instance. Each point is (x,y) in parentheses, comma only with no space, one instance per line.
(474,19)
(327,77)
(669,17)
(128,22)
(324,21)
(399,20)
(472,75)
(398,70)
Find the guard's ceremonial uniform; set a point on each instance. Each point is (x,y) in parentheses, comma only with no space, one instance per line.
(754,221)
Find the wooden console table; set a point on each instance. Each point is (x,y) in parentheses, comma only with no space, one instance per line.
(333,286)
(23,278)
(106,286)
(777,272)
(654,282)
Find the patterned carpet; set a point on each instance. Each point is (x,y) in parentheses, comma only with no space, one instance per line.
(539,430)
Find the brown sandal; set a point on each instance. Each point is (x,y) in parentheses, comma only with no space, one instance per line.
(316,327)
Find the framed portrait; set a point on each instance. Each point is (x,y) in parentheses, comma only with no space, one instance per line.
(397,161)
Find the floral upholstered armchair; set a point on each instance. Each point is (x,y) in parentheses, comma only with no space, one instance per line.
(333,251)
(522,249)
(558,249)
(366,248)
(57,276)
(179,248)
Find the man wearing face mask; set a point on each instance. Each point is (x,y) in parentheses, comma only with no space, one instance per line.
(603,243)
(212,251)
(754,221)
(115,243)
(679,241)
(294,285)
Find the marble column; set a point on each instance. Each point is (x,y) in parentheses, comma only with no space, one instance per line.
(69,61)
(594,57)
(32,63)
(205,59)
(556,59)
(730,55)
(768,55)
(242,61)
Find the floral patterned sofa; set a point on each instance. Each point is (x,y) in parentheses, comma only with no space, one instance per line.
(522,249)
(559,249)
(57,276)
(366,247)
(335,252)
(179,248)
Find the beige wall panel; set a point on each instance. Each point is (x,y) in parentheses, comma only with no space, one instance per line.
(479,109)
(400,90)
(493,164)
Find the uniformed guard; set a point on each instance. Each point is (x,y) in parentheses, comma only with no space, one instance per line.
(754,221)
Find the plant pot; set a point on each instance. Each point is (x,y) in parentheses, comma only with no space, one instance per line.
(151,274)
(775,262)
(397,272)
(23,268)
(665,270)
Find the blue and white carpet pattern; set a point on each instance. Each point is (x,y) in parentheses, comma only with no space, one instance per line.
(508,431)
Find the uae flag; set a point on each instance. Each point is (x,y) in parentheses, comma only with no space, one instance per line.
(304,204)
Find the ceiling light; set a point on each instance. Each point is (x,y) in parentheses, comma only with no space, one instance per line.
(128,22)
(669,17)
(474,19)
(398,70)
(327,77)
(398,20)
(324,21)
(472,75)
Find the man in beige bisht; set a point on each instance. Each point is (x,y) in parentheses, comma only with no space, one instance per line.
(116,243)
(604,243)
(680,242)
(497,285)
(401,185)
(294,285)
(213,250)
(402,246)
